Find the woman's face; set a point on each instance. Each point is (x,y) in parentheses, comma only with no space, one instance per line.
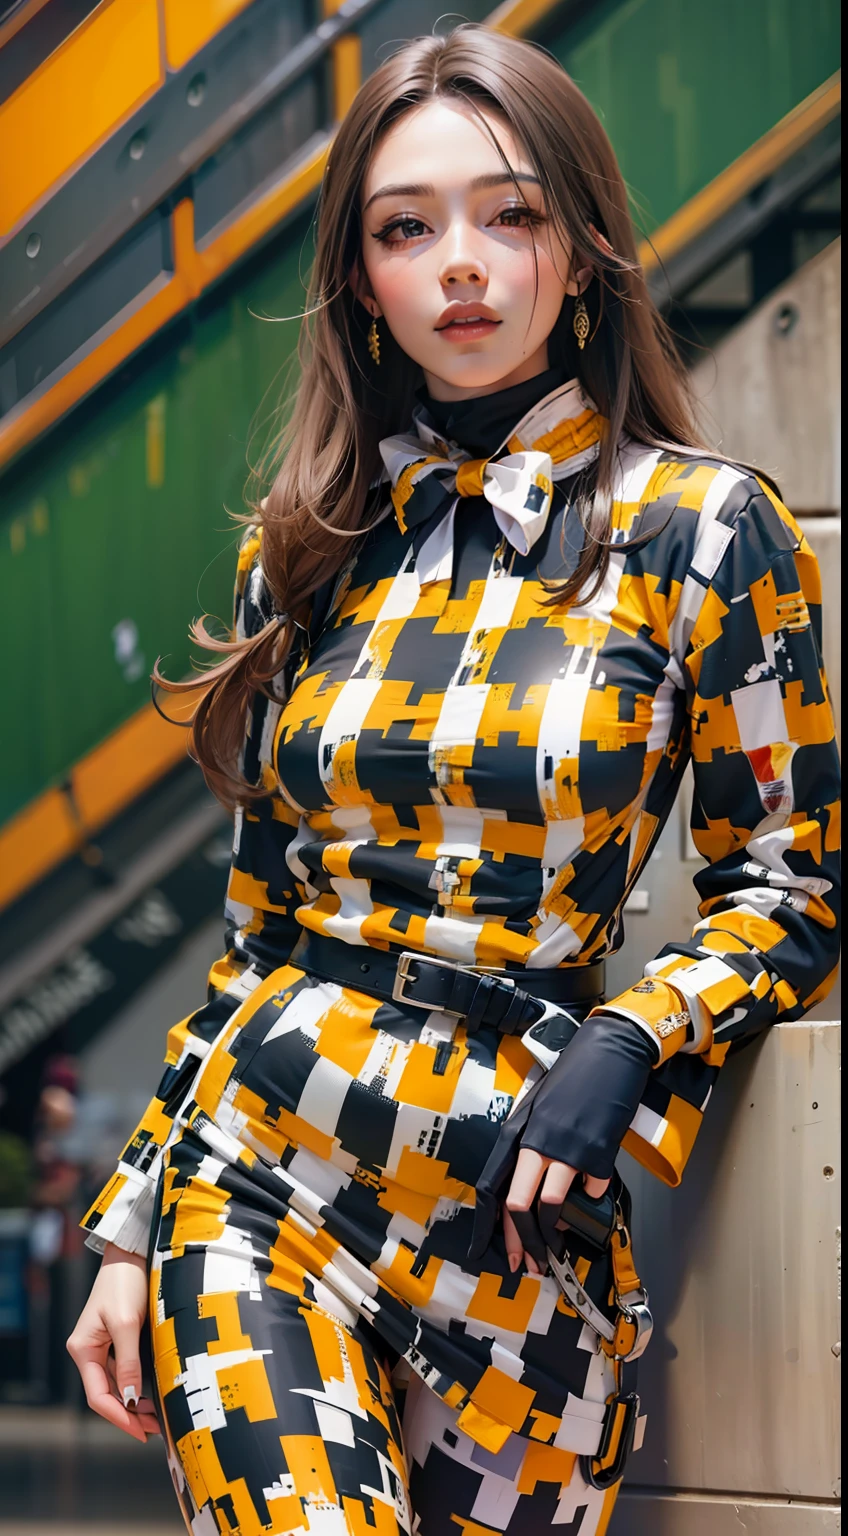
(446,233)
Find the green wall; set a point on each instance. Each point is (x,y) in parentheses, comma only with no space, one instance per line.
(683,87)
(117,518)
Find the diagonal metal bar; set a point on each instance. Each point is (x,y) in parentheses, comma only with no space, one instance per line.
(197,111)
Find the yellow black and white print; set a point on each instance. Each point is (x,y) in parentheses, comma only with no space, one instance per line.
(469,769)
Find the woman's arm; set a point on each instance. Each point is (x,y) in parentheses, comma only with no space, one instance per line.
(747,644)
(104,1345)
(766,815)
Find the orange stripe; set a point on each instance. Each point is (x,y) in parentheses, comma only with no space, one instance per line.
(189,25)
(347,65)
(518,16)
(764,157)
(104,782)
(262,216)
(194,271)
(50,124)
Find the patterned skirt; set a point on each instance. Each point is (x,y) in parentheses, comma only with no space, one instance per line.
(322,1347)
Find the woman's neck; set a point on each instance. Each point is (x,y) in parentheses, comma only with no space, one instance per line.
(480,424)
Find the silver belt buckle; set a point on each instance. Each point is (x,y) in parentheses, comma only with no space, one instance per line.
(402,976)
(638,1312)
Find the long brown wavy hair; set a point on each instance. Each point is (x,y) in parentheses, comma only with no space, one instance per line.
(327,455)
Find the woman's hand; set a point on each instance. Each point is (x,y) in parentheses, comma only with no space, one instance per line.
(110,1324)
(530,1170)
(573,1118)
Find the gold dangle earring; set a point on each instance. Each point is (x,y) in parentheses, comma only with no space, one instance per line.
(374,341)
(581,321)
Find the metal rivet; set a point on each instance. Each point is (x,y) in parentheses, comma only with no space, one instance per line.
(786,318)
(196,90)
(137,146)
(827,1171)
(365,967)
(33,246)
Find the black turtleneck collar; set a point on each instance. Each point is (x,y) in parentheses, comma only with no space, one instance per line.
(481,424)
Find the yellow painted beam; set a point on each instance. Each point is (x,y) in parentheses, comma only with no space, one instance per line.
(104,782)
(49,403)
(519,16)
(193,271)
(191,23)
(346,65)
(75,100)
(347,73)
(217,255)
(763,158)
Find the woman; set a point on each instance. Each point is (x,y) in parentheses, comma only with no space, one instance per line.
(496,597)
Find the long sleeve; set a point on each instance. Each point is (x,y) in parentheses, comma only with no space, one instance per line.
(746,646)
(260,932)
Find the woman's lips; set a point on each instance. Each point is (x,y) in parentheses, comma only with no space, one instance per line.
(468,330)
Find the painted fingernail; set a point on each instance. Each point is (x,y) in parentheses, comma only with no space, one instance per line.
(130,1396)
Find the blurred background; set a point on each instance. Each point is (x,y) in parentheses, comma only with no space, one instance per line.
(159,165)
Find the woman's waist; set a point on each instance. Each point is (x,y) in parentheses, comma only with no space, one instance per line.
(360,923)
(507,997)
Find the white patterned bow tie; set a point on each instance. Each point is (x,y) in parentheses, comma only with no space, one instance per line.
(556,438)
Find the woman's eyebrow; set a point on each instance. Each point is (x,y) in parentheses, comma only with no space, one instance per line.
(426,188)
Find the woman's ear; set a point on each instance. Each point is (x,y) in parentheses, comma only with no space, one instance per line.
(579,278)
(361,289)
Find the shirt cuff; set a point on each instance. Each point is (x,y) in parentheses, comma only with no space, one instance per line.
(656,1008)
(122,1213)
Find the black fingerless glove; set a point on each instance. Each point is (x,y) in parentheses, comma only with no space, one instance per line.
(584,1104)
(577,1113)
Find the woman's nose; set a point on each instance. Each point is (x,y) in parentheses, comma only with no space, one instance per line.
(461,263)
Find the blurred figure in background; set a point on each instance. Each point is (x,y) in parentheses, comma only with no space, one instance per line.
(54,1198)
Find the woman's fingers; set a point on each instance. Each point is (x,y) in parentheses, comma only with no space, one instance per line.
(558,1181)
(537,1175)
(89,1347)
(99,1397)
(145,1408)
(529,1167)
(514,1248)
(125,1343)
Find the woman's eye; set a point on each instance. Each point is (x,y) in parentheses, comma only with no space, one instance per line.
(520,216)
(409,229)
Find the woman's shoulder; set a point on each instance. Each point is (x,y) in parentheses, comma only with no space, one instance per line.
(701,499)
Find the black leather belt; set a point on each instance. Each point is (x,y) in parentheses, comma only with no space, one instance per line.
(509,1001)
